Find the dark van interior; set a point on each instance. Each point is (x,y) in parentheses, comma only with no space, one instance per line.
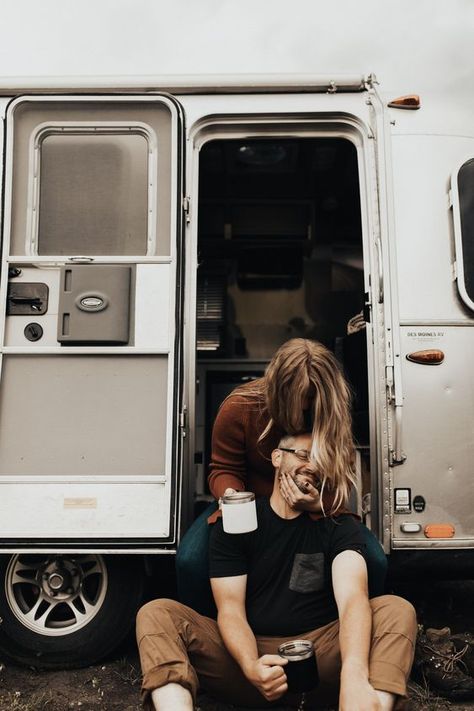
(280,256)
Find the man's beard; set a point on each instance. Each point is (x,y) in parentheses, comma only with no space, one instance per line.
(298,480)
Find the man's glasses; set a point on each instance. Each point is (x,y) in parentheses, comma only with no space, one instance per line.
(302,454)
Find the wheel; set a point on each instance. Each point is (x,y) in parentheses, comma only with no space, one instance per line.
(69,610)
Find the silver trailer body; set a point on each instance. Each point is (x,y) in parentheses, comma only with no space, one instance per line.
(102,427)
(435,312)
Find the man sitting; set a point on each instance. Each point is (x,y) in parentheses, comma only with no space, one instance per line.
(294,577)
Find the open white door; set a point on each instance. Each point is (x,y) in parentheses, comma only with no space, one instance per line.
(89,436)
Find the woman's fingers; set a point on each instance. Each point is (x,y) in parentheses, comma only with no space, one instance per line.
(295,489)
(293,495)
(284,488)
(311,490)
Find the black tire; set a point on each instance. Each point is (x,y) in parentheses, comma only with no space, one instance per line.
(122,594)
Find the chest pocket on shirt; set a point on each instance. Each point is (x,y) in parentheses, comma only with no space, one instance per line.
(307,574)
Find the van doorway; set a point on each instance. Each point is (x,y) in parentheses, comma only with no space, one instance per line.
(279,256)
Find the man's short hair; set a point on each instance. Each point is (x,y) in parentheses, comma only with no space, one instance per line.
(289,440)
(286,441)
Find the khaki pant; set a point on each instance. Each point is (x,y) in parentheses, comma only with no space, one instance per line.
(179,645)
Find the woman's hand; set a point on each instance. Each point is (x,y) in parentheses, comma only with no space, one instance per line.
(227,492)
(309,501)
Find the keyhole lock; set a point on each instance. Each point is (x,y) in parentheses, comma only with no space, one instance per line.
(33,331)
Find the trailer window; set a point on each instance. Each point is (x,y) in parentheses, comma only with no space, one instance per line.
(93,194)
(463,206)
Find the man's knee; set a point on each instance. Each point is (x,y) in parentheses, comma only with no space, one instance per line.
(153,616)
(394,614)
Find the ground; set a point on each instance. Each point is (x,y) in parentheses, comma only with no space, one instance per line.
(114,684)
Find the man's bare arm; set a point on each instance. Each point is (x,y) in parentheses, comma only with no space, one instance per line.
(265,673)
(349,574)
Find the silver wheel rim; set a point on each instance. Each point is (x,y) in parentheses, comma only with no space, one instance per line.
(55,595)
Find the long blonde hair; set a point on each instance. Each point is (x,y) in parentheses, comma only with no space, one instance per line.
(305,375)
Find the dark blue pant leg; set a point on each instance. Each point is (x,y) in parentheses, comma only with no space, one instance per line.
(192,566)
(377,563)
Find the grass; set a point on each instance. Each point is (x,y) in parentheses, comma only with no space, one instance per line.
(128,672)
(425,700)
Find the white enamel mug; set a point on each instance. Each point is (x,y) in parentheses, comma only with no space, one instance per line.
(239,513)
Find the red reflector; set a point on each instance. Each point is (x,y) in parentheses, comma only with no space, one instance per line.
(439,530)
(431,356)
(411,101)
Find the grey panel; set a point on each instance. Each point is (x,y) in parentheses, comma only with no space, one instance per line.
(94,304)
(424,243)
(102,415)
(93,195)
(29,115)
(437,430)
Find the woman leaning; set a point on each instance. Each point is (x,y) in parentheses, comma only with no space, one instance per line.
(302,390)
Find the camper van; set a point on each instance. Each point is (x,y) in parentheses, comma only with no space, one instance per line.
(161,238)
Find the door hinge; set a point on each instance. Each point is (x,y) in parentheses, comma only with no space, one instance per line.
(367,309)
(389,383)
(183,421)
(187,208)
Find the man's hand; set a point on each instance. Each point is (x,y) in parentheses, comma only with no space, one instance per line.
(357,695)
(309,501)
(268,676)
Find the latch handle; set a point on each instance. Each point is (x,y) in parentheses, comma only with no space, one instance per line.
(31,300)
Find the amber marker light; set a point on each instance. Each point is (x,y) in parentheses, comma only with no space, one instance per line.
(439,530)
(410,101)
(431,356)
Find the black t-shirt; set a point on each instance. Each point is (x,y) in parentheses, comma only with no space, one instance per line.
(288,568)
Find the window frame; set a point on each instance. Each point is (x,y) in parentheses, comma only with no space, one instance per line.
(459,270)
(84,128)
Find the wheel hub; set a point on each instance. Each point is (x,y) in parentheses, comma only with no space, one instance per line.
(60,579)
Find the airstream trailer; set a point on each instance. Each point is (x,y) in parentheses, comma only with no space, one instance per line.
(160,239)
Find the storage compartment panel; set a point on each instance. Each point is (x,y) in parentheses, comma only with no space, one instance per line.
(100,415)
(94,304)
(84,510)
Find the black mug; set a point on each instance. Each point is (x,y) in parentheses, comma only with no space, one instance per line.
(302,668)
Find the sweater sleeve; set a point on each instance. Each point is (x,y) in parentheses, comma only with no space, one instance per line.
(228,460)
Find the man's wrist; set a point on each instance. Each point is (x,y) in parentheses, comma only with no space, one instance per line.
(248,667)
(355,668)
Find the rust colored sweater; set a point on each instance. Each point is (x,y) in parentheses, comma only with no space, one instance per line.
(238,460)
